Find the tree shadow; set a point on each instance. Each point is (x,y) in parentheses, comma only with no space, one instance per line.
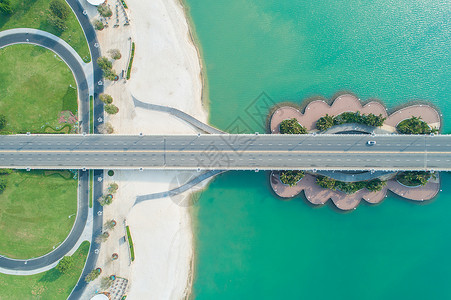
(51,275)
(70,100)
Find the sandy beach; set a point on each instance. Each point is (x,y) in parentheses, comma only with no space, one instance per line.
(166,71)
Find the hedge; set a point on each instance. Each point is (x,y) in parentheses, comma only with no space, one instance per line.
(130,243)
(129,69)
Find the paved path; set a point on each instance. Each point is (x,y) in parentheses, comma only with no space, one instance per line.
(47,261)
(179,114)
(180,189)
(63,50)
(228,152)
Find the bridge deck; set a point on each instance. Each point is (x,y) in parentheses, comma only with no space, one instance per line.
(228,152)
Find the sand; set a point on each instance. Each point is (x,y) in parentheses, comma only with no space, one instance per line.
(166,71)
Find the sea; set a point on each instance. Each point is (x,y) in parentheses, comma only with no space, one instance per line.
(257,53)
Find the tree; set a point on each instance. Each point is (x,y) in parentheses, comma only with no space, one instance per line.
(105,200)
(93,275)
(98,25)
(102,237)
(5,7)
(104,10)
(65,264)
(375,185)
(325,122)
(3,121)
(104,63)
(415,178)
(326,182)
(415,125)
(105,98)
(112,189)
(59,9)
(111,109)
(292,126)
(110,224)
(291,177)
(115,54)
(56,22)
(105,282)
(106,128)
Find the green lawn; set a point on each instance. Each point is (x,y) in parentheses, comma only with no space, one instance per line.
(35,89)
(33,14)
(48,285)
(34,212)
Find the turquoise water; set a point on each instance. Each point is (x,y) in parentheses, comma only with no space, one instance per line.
(252,245)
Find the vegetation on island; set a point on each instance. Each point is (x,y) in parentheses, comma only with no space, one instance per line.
(47,16)
(415,125)
(93,274)
(292,126)
(65,264)
(105,98)
(327,121)
(98,25)
(373,185)
(111,109)
(52,284)
(115,54)
(107,67)
(415,178)
(291,177)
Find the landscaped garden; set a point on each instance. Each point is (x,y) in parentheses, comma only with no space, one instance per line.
(37,91)
(37,14)
(291,177)
(327,121)
(415,125)
(52,284)
(373,185)
(37,212)
(292,126)
(414,178)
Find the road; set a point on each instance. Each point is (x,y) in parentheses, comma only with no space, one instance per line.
(227,152)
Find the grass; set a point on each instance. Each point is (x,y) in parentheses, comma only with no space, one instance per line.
(35,88)
(91,114)
(91,184)
(129,69)
(34,213)
(48,285)
(130,244)
(33,14)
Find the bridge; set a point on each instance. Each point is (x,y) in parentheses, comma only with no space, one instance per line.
(227,152)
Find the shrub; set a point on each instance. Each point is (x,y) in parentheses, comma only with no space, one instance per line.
(65,264)
(3,121)
(110,224)
(115,54)
(104,10)
(59,9)
(3,184)
(105,282)
(104,63)
(375,185)
(5,7)
(105,98)
(292,126)
(102,237)
(415,125)
(56,22)
(325,122)
(98,25)
(124,4)
(110,173)
(291,177)
(5,171)
(130,63)
(105,200)
(130,243)
(111,109)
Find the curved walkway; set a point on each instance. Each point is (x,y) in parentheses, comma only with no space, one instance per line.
(47,261)
(179,114)
(63,50)
(180,189)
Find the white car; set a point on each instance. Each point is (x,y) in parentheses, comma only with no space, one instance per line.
(371,143)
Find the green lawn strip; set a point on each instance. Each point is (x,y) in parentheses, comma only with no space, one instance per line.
(33,14)
(91,184)
(34,213)
(35,87)
(91,114)
(130,244)
(48,285)
(130,63)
